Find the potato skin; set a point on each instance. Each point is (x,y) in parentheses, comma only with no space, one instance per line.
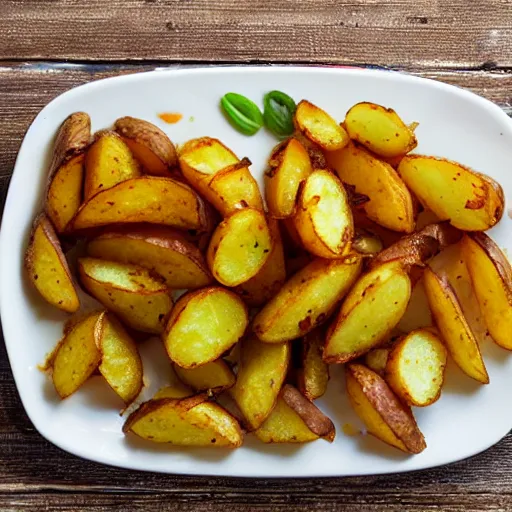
(313,375)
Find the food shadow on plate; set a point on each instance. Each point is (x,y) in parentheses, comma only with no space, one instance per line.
(252,443)
(370,445)
(492,351)
(457,382)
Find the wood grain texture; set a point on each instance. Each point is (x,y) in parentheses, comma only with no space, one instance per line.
(424,33)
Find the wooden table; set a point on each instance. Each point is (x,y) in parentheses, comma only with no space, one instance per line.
(49,46)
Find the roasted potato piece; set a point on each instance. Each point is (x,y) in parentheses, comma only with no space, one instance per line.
(64,194)
(377,359)
(203,325)
(390,203)
(469,200)
(120,365)
(306,300)
(48,269)
(319,127)
(457,335)
(108,162)
(157,248)
(367,243)
(267,282)
(295,419)
(138,297)
(415,368)
(370,311)
(313,375)
(148,144)
(77,355)
(146,199)
(190,421)
(324,218)
(363,223)
(239,247)
(380,129)
(176,390)
(491,276)
(261,374)
(381,411)
(417,315)
(215,376)
(288,166)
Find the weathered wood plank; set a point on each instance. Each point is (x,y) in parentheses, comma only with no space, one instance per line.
(425,33)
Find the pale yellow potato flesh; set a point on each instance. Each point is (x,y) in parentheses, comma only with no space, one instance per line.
(370,311)
(216,376)
(390,203)
(203,325)
(204,156)
(313,376)
(261,374)
(467,199)
(306,300)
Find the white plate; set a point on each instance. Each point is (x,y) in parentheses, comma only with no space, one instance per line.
(453,123)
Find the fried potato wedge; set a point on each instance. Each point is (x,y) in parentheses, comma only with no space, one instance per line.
(390,203)
(306,300)
(157,248)
(454,329)
(415,368)
(367,243)
(381,411)
(121,365)
(138,297)
(77,355)
(176,390)
(267,282)
(491,275)
(203,325)
(48,269)
(319,127)
(368,314)
(108,162)
(64,194)
(215,376)
(380,129)
(148,144)
(313,375)
(261,374)
(469,200)
(295,419)
(190,421)
(377,359)
(239,247)
(324,218)
(417,315)
(147,199)
(288,166)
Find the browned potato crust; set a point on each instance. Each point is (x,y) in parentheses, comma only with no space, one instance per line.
(313,375)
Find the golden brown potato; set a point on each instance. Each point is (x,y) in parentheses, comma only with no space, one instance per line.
(313,376)
(190,421)
(417,315)
(367,243)
(390,203)
(239,247)
(120,365)
(469,200)
(288,166)
(306,300)
(371,310)
(140,299)
(215,376)
(77,355)
(148,144)
(323,218)
(157,248)
(455,331)
(48,269)
(261,374)
(381,411)
(415,368)
(176,390)
(203,325)
(108,162)
(146,199)
(319,127)
(268,281)
(64,194)
(362,222)
(295,419)
(380,129)
(491,276)
(377,359)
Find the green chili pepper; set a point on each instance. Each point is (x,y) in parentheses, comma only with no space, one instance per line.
(243,113)
(278,113)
